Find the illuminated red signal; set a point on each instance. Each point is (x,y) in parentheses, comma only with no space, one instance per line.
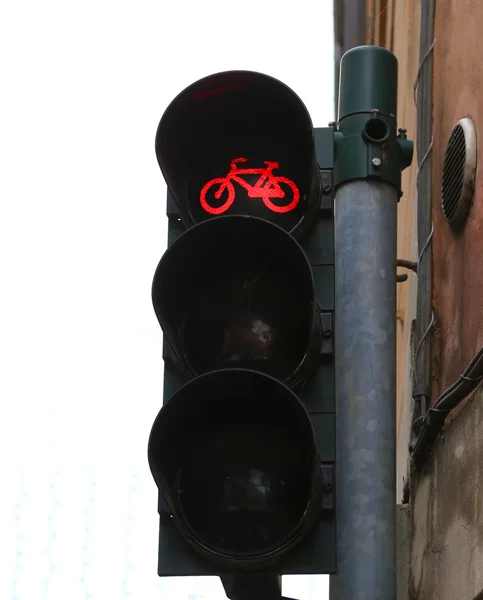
(266,187)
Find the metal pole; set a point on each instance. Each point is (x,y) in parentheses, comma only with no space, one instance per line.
(365,363)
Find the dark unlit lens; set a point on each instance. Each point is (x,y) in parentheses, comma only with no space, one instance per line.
(244,492)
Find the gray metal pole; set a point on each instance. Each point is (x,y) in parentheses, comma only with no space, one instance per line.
(365,364)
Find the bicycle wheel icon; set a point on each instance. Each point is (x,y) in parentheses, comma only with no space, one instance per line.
(210,194)
(290,193)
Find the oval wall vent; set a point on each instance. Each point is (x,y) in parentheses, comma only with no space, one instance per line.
(459,173)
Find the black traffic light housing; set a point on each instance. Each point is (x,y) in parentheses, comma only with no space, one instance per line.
(243,451)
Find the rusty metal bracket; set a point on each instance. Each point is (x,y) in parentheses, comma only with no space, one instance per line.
(406,264)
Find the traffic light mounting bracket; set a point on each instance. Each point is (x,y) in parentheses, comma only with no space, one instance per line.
(327,345)
(326,202)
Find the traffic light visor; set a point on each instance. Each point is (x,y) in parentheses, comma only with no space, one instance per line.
(239,142)
(233,454)
(238,292)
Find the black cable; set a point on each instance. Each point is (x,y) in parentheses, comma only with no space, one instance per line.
(433,421)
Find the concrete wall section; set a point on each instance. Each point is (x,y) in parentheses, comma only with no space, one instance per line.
(447,508)
(403,538)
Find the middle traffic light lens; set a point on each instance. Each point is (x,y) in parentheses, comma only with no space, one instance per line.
(250,320)
(238,292)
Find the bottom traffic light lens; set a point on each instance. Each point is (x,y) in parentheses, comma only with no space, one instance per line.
(245,488)
(233,454)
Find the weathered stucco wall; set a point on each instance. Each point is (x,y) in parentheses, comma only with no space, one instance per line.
(447,509)
(447,495)
(458,259)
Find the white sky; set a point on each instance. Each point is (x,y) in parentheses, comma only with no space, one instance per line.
(82,228)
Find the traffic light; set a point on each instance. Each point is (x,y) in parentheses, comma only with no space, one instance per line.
(243,449)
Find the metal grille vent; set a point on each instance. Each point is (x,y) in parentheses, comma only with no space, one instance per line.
(459,173)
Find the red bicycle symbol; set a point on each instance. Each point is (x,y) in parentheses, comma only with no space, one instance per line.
(266,187)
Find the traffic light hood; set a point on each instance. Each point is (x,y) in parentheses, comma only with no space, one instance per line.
(240,142)
(239,292)
(233,453)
